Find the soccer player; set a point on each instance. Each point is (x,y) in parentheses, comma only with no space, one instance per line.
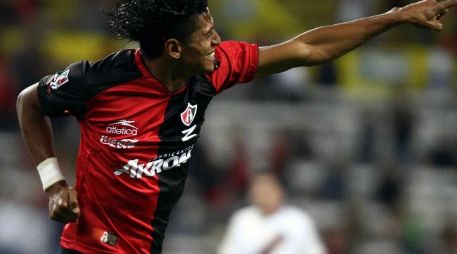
(140,112)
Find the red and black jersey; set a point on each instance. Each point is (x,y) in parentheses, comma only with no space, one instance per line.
(136,141)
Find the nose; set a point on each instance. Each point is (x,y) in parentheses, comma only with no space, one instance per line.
(216,40)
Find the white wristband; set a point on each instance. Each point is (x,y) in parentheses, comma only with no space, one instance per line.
(49,171)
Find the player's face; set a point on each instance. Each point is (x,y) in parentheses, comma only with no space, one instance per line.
(198,51)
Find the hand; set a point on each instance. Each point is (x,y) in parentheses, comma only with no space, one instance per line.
(427,13)
(63,203)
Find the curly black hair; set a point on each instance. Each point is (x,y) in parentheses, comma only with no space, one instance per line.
(152,22)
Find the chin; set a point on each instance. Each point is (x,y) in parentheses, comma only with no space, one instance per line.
(210,69)
(210,66)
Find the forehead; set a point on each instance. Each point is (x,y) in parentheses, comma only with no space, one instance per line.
(265,181)
(204,22)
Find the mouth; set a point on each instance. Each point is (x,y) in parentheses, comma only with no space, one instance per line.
(211,56)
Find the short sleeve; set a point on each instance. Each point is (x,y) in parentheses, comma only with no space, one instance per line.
(238,63)
(65,92)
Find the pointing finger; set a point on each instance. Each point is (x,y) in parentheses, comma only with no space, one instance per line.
(448,4)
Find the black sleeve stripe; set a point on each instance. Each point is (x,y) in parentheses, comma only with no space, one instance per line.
(62,94)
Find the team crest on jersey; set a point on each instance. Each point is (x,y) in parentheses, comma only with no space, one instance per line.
(59,79)
(188,116)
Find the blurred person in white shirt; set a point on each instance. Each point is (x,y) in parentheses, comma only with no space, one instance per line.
(269,225)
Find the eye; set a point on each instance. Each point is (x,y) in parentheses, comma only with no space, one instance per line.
(210,33)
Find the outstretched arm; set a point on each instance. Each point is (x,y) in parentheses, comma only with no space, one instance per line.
(37,133)
(329,42)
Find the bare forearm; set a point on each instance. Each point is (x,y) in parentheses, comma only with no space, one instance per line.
(37,133)
(329,42)
(36,128)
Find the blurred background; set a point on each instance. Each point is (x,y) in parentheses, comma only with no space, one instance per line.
(366,144)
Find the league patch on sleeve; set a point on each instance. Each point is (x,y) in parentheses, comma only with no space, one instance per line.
(59,80)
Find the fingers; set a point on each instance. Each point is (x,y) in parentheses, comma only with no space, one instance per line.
(448,4)
(441,14)
(434,19)
(73,201)
(63,206)
(443,7)
(436,25)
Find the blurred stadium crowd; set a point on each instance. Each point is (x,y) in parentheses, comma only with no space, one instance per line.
(366,145)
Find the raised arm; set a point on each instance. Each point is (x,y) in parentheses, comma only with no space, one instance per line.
(329,42)
(37,134)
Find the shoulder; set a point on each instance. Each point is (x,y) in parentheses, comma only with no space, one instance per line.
(237,63)
(69,89)
(228,48)
(117,67)
(299,215)
(246,213)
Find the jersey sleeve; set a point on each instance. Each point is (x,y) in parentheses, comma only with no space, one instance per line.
(238,63)
(69,90)
(65,92)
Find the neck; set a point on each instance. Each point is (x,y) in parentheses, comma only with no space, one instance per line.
(266,211)
(170,74)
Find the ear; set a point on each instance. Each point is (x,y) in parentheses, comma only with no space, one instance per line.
(173,48)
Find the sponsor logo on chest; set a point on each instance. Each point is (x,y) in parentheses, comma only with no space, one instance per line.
(122,127)
(119,144)
(164,162)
